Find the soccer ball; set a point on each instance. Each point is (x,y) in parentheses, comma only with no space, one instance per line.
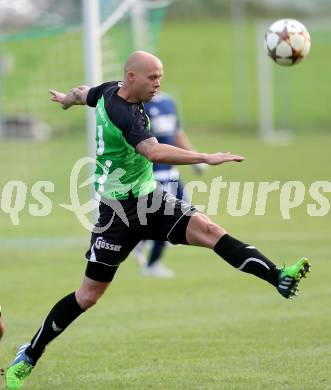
(287,42)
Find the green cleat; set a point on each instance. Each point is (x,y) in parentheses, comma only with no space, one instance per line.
(290,276)
(19,370)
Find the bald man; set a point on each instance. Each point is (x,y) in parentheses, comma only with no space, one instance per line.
(133,207)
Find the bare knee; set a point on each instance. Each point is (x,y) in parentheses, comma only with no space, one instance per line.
(90,292)
(86,299)
(201,231)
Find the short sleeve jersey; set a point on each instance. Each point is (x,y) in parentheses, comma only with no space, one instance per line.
(165,123)
(120,126)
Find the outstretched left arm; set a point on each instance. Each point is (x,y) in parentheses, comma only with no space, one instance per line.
(77,96)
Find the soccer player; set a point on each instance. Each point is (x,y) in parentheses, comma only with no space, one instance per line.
(133,207)
(165,127)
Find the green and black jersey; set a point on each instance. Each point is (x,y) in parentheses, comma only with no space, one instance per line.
(120,126)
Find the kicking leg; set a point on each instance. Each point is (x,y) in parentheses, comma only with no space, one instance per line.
(201,231)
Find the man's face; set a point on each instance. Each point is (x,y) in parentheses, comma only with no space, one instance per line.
(146,81)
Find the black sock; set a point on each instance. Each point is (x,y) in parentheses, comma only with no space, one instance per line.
(62,315)
(246,258)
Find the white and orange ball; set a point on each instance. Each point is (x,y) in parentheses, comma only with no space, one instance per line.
(287,42)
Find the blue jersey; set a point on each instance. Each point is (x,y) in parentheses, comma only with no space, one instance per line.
(165,125)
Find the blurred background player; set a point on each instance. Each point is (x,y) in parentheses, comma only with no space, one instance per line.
(165,126)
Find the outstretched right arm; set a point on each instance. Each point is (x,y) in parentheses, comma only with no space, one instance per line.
(77,96)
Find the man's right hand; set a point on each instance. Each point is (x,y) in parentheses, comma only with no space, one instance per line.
(57,96)
(77,96)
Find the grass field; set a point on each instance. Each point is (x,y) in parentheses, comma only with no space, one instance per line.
(211,327)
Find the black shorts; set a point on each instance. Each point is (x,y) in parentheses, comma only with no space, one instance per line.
(122,224)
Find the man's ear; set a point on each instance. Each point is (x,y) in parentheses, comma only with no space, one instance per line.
(131,75)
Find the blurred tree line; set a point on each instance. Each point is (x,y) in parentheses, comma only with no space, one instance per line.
(22,13)
(192,9)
